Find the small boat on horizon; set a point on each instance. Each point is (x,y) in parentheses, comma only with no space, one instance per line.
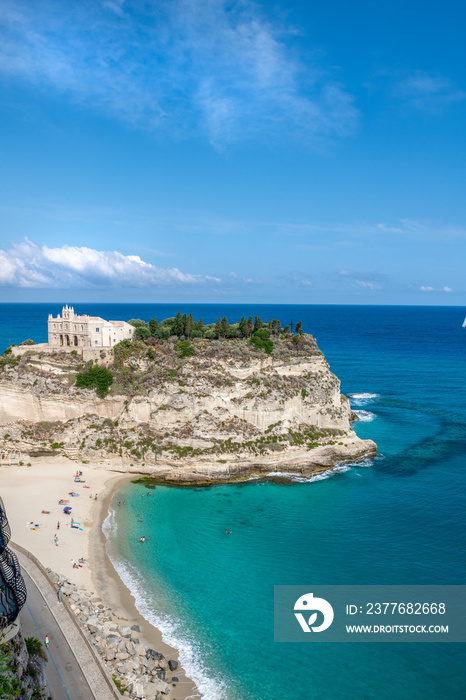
(464,323)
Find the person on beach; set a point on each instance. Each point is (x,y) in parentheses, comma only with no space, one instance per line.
(56,541)
(95,497)
(46,641)
(58,525)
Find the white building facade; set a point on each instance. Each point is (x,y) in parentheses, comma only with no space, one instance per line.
(70,330)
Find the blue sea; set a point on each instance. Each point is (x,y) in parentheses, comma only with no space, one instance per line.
(397,519)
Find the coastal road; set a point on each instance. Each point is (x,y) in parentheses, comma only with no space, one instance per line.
(74,672)
(65,679)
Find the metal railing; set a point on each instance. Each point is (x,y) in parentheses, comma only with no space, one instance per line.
(12,587)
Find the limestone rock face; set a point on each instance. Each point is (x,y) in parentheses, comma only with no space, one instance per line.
(226,411)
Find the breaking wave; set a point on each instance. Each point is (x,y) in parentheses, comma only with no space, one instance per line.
(364,416)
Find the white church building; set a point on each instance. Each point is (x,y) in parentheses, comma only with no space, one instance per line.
(70,330)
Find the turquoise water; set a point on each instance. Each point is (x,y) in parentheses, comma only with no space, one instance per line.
(399,518)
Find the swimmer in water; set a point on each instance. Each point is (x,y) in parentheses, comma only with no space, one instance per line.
(228,533)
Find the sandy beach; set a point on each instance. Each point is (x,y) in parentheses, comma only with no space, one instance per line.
(31,496)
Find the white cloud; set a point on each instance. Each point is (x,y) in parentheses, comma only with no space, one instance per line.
(28,265)
(364,284)
(221,67)
(447,289)
(427,289)
(428,92)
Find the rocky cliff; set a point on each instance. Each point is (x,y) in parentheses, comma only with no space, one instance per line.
(217,410)
(23,669)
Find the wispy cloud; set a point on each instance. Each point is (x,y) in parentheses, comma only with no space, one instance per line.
(28,265)
(433,289)
(359,279)
(221,67)
(428,92)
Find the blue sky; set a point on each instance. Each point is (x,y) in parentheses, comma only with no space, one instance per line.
(202,150)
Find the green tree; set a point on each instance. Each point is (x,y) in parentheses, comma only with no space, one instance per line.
(250,326)
(153,325)
(299,328)
(141,333)
(243,327)
(177,327)
(136,322)
(199,326)
(257,324)
(189,326)
(218,328)
(225,327)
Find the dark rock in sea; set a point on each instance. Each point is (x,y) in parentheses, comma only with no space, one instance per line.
(172,665)
(175,679)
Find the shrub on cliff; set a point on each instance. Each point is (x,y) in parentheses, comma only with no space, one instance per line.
(185,349)
(98,378)
(34,647)
(261,341)
(10,685)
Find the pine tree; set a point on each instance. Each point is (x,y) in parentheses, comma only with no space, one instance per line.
(177,328)
(225,327)
(250,325)
(243,327)
(188,329)
(153,325)
(257,323)
(299,328)
(218,328)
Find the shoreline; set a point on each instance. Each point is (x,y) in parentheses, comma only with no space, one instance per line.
(27,490)
(31,495)
(111,588)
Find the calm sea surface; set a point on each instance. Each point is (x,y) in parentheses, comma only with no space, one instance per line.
(398,519)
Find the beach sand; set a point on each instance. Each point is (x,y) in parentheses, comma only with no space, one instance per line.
(27,491)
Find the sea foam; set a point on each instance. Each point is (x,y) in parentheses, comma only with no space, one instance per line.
(362,398)
(190,652)
(364,416)
(309,478)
